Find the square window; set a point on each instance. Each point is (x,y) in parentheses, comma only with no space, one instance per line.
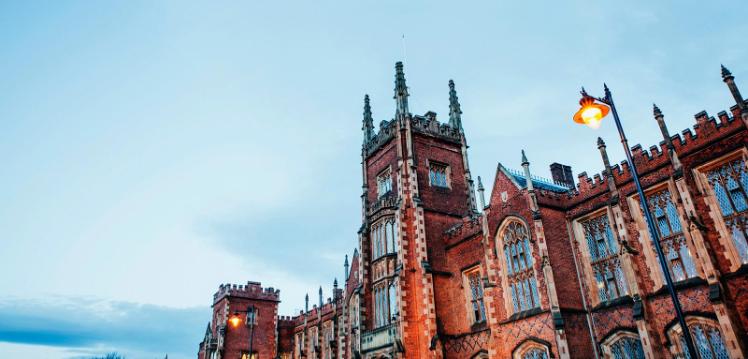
(439,175)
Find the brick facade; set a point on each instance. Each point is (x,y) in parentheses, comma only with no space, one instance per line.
(546,268)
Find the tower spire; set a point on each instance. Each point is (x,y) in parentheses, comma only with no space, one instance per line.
(401,91)
(455,113)
(320,297)
(306,303)
(368,122)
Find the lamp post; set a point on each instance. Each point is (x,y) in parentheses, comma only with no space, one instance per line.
(591,113)
(251,321)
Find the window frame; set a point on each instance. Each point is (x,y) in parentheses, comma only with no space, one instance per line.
(447,174)
(590,282)
(470,300)
(506,282)
(613,338)
(675,331)
(645,238)
(715,212)
(530,345)
(384,176)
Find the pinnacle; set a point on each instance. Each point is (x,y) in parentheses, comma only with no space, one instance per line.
(656,110)
(600,142)
(725,72)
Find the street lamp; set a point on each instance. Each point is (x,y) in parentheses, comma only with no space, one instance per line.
(591,113)
(250,320)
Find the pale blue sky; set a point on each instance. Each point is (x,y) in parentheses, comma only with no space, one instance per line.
(152,149)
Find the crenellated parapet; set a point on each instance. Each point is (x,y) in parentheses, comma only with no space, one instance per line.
(252,290)
(387,130)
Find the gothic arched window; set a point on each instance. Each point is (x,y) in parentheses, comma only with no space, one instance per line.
(623,345)
(383,237)
(730,185)
(672,240)
(531,350)
(706,337)
(519,267)
(604,259)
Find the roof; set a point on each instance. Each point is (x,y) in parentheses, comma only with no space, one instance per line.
(538,182)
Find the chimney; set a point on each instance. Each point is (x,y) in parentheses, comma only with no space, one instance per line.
(562,175)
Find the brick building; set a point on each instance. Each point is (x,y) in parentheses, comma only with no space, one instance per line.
(542,269)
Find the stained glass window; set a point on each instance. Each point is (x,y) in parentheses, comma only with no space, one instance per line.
(627,348)
(730,185)
(520,273)
(708,342)
(438,175)
(476,296)
(672,240)
(604,258)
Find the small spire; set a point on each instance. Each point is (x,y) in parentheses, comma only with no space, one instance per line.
(401,90)
(346,265)
(481,193)
(320,297)
(725,72)
(600,142)
(335,283)
(306,305)
(524,159)
(368,122)
(455,113)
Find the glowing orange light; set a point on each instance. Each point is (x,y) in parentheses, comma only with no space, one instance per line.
(591,113)
(235,321)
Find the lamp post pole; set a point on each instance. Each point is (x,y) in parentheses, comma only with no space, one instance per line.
(608,100)
(251,318)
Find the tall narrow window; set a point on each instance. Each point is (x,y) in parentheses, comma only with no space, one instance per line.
(381,307)
(606,264)
(438,175)
(392,294)
(384,183)
(730,185)
(519,269)
(673,242)
(475,295)
(383,237)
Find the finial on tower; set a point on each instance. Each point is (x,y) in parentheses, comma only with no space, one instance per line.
(524,159)
(725,72)
(656,111)
(320,297)
(455,113)
(335,283)
(368,125)
(600,142)
(306,305)
(401,90)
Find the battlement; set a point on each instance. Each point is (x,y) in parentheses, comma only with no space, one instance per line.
(428,124)
(468,227)
(252,290)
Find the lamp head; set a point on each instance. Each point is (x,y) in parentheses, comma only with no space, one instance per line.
(590,112)
(235,320)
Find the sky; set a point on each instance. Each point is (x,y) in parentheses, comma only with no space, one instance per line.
(152,150)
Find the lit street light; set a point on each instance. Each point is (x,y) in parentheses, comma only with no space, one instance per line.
(591,113)
(250,320)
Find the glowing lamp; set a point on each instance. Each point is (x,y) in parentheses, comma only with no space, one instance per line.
(590,113)
(235,320)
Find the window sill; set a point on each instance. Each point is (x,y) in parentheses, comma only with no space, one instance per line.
(524,314)
(625,300)
(684,284)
